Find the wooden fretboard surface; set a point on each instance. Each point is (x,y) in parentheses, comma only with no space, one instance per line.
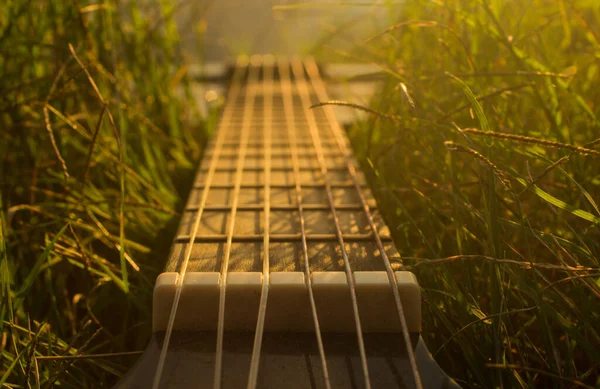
(269,147)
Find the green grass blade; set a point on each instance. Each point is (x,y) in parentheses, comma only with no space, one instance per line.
(483,121)
(35,269)
(561,204)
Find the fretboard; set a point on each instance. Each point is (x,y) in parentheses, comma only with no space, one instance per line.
(271,147)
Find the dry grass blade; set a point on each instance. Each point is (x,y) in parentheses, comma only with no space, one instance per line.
(357,106)
(87,73)
(488,96)
(318,5)
(50,131)
(481,320)
(92,8)
(573,278)
(416,23)
(29,346)
(593,143)
(105,103)
(100,97)
(63,366)
(553,166)
(542,372)
(518,73)
(452,146)
(428,23)
(533,140)
(404,89)
(93,143)
(47,119)
(87,356)
(522,264)
(107,234)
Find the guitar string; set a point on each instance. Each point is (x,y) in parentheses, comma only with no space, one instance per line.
(225,120)
(286,90)
(247,116)
(302,85)
(267,84)
(319,88)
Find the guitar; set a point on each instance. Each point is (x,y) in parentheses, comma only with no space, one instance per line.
(283,273)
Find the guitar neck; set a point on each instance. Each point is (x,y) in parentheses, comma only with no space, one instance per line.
(279,197)
(282,253)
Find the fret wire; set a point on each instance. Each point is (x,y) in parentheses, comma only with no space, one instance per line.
(321,92)
(243,146)
(279,207)
(280,238)
(281,121)
(267,85)
(286,89)
(302,84)
(275,169)
(274,155)
(233,143)
(233,95)
(280,186)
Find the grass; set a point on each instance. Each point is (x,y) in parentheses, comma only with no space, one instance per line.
(483,155)
(97,154)
(483,150)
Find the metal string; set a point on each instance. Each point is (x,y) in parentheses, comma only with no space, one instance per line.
(226,118)
(319,88)
(267,82)
(286,89)
(302,86)
(247,118)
